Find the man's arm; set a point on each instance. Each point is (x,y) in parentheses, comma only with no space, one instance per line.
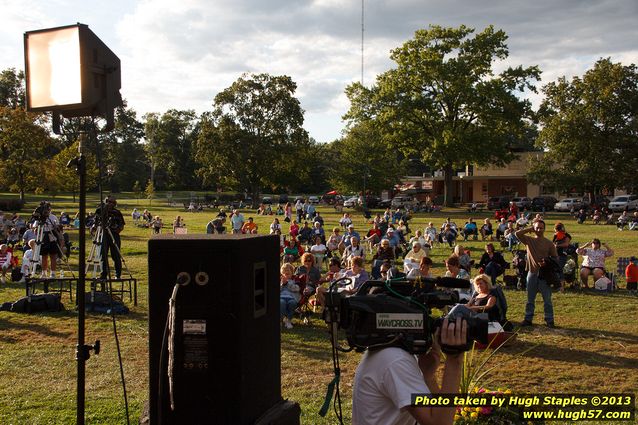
(609,251)
(521,235)
(452,334)
(581,250)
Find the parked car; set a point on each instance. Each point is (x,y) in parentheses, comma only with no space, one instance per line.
(332,199)
(385,203)
(620,203)
(543,203)
(599,201)
(568,204)
(351,202)
(283,198)
(266,200)
(242,203)
(313,199)
(522,202)
(498,202)
(371,201)
(404,201)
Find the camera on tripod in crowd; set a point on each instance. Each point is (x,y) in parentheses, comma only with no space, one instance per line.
(398,313)
(41,212)
(109,220)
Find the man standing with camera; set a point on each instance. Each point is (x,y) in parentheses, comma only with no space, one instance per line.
(386,379)
(113,224)
(50,244)
(539,248)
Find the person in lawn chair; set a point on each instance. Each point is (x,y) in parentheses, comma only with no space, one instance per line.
(470,229)
(489,299)
(308,273)
(593,260)
(5,263)
(289,294)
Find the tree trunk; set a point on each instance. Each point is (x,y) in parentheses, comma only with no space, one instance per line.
(447,186)
(255,195)
(592,196)
(21,184)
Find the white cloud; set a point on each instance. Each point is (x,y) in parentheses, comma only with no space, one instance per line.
(180,54)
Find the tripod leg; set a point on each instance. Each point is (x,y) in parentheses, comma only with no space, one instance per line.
(119,253)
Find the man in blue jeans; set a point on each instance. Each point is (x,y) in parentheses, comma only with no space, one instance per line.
(538,248)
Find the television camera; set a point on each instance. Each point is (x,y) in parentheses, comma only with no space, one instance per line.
(41,212)
(106,217)
(398,313)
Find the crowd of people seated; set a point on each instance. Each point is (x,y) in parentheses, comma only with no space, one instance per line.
(393,250)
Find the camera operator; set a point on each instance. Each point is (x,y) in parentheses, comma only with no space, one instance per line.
(49,248)
(386,379)
(113,221)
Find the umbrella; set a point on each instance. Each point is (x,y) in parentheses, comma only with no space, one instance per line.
(332,192)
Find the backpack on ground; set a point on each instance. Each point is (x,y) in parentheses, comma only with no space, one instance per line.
(38,303)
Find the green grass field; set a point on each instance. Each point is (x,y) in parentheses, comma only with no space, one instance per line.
(594,350)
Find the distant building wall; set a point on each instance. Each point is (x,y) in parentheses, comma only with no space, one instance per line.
(484,182)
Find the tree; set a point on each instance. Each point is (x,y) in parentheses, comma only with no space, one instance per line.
(149,191)
(123,149)
(590,131)
(12,90)
(137,189)
(25,148)
(443,102)
(364,158)
(254,137)
(170,138)
(61,177)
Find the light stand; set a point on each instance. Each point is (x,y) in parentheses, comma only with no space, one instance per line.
(70,72)
(82,351)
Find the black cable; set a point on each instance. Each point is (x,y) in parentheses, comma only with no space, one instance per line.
(162,361)
(336,403)
(105,264)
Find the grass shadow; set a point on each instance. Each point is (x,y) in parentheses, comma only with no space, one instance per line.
(600,334)
(311,340)
(568,354)
(6,324)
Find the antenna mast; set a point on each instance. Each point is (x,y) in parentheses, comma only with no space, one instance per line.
(362,31)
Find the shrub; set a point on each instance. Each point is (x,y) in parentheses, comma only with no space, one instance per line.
(11,205)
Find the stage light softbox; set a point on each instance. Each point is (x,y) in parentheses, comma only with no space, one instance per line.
(69,70)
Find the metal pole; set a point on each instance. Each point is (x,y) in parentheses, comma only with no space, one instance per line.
(362,32)
(80,349)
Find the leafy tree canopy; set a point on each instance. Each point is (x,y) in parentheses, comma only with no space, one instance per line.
(364,158)
(169,145)
(12,90)
(444,102)
(254,137)
(590,130)
(25,146)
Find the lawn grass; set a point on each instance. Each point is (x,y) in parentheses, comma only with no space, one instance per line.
(594,350)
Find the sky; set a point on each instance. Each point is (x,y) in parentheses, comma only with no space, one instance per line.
(180,54)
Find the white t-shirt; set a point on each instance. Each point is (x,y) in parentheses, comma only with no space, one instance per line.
(383,386)
(51,223)
(318,249)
